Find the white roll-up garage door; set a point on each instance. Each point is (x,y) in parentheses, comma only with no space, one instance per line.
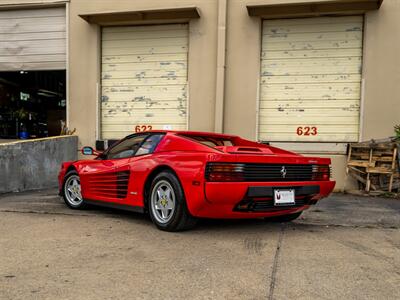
(144,79)
(32,39)
(310,79)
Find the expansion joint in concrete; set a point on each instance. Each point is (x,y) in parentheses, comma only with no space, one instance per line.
(275,264)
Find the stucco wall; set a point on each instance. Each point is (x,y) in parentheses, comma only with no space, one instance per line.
(380,109)
(34,164)
(84,56)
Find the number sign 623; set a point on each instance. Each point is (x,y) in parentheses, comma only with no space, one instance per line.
(307,130)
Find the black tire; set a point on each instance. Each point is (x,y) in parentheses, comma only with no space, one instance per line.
(65,194)
(179,218)
(284,218)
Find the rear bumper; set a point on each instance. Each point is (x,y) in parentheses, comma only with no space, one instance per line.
(255,199)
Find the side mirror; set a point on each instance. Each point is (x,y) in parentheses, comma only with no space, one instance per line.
(88,150)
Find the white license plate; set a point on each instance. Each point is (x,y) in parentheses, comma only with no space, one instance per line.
(284,197)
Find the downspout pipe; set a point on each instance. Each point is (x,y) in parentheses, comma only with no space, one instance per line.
(220,72)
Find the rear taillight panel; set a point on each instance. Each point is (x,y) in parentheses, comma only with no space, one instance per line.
(321,172)
(254,172)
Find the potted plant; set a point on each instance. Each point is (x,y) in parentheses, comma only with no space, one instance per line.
(22,115)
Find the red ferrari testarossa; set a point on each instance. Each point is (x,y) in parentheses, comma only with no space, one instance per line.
(179,176)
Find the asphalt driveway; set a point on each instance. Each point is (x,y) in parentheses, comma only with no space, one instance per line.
(346,247)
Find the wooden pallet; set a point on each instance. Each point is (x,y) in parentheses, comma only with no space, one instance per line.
(374,165)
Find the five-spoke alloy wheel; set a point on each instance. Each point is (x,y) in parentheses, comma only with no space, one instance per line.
(167,205)
(71,190)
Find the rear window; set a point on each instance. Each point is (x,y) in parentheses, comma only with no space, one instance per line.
(210,141)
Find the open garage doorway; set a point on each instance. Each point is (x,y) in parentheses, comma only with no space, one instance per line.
(32,104)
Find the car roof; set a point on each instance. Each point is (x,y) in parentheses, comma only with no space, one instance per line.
(193,133)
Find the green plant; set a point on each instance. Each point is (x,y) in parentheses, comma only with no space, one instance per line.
(397,131)
(21,114)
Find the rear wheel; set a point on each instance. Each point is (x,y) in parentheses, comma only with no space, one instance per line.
(71,190)
(284,218)
(167,205)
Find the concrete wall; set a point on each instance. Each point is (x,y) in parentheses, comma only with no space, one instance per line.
(34,164)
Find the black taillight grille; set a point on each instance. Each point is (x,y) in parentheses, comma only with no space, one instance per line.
(264,172)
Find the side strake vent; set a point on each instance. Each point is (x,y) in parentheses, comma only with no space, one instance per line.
(110,185)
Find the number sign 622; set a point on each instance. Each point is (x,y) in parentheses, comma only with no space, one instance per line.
(140,128)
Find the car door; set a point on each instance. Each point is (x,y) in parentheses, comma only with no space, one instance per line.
(107,177)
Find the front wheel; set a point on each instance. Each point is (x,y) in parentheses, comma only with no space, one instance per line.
(167,205)
(71,190)
(284,218)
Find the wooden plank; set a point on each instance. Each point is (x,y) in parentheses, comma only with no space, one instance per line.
(360,163)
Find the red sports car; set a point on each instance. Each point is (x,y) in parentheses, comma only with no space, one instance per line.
(180,176)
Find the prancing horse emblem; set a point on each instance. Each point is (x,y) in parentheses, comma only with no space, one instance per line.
(283,172)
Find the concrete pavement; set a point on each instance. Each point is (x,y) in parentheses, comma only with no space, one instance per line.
(346,247)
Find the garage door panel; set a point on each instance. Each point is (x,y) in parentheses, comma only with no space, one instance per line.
(151,57)
(145,89)
(308,115)
(32,13)
(345,88)
(131,55)
(109,31)
(315,78)
(163,65)
(350,65)
(314,36)
(129,84)
(297,119)
(32,36)
(119,134)
(126,38)
(147,103)
(311,76)
(158,92)
(327,129)
(315,45)
(304,28)
(316,104)
(146,73)
(293,54)
(289,137)
(33,39)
